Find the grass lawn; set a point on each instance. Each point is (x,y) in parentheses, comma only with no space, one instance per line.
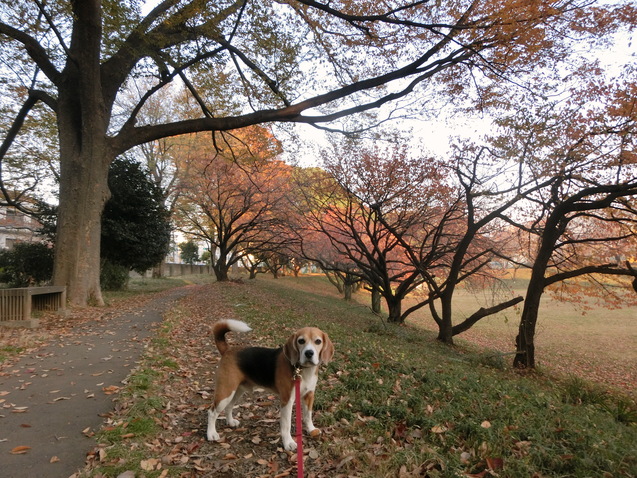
(393,403)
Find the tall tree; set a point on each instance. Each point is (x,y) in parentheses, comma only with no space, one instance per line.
(243,63)
(585,148)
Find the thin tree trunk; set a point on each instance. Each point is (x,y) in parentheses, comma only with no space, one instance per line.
(445,322)
(525,340)
(347,290)
(376,297)
(394,308)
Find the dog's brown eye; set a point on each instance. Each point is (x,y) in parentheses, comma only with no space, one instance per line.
(317,341)
(301,341)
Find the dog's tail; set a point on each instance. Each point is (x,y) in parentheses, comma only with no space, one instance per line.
(221,328)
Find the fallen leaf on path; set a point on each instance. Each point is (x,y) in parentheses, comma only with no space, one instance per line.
(54,459)
(20,450)
(110,390)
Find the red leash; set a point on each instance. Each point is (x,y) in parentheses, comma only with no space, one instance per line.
(299,429)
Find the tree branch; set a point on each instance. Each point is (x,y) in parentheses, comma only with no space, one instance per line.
(482,313)
(608,269)
(34,50)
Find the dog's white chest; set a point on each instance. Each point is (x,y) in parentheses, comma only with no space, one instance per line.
(309,379)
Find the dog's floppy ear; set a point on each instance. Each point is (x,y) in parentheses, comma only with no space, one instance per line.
(291,351)
(327,352)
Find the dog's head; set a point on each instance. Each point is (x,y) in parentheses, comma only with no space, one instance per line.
(309,346)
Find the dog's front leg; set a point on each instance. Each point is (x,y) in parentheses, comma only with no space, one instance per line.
(308,405)
(286,423)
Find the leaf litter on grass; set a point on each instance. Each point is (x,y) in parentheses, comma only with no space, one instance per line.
(186,385)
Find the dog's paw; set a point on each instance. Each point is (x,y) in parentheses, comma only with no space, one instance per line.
(315,432)
(234,423)
(213,436)
(289,445)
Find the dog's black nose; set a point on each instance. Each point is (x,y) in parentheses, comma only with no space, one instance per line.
(309,353)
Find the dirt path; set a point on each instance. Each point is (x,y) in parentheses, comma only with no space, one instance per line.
(51,400)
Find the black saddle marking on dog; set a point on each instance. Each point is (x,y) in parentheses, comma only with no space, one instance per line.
(259,364)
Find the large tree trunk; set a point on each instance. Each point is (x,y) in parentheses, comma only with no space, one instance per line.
(84,161)
(77,258)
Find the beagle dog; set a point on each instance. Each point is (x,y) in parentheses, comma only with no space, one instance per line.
(242,369)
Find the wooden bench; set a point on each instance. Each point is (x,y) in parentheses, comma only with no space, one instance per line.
(16,305)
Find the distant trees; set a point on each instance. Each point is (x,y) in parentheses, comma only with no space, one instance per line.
(345,210)
(560,204)
(401,224)
(189,252)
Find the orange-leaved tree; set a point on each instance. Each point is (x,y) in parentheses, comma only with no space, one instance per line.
(371,200)
(234,198)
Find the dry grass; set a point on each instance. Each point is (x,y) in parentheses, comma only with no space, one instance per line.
(573,338)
